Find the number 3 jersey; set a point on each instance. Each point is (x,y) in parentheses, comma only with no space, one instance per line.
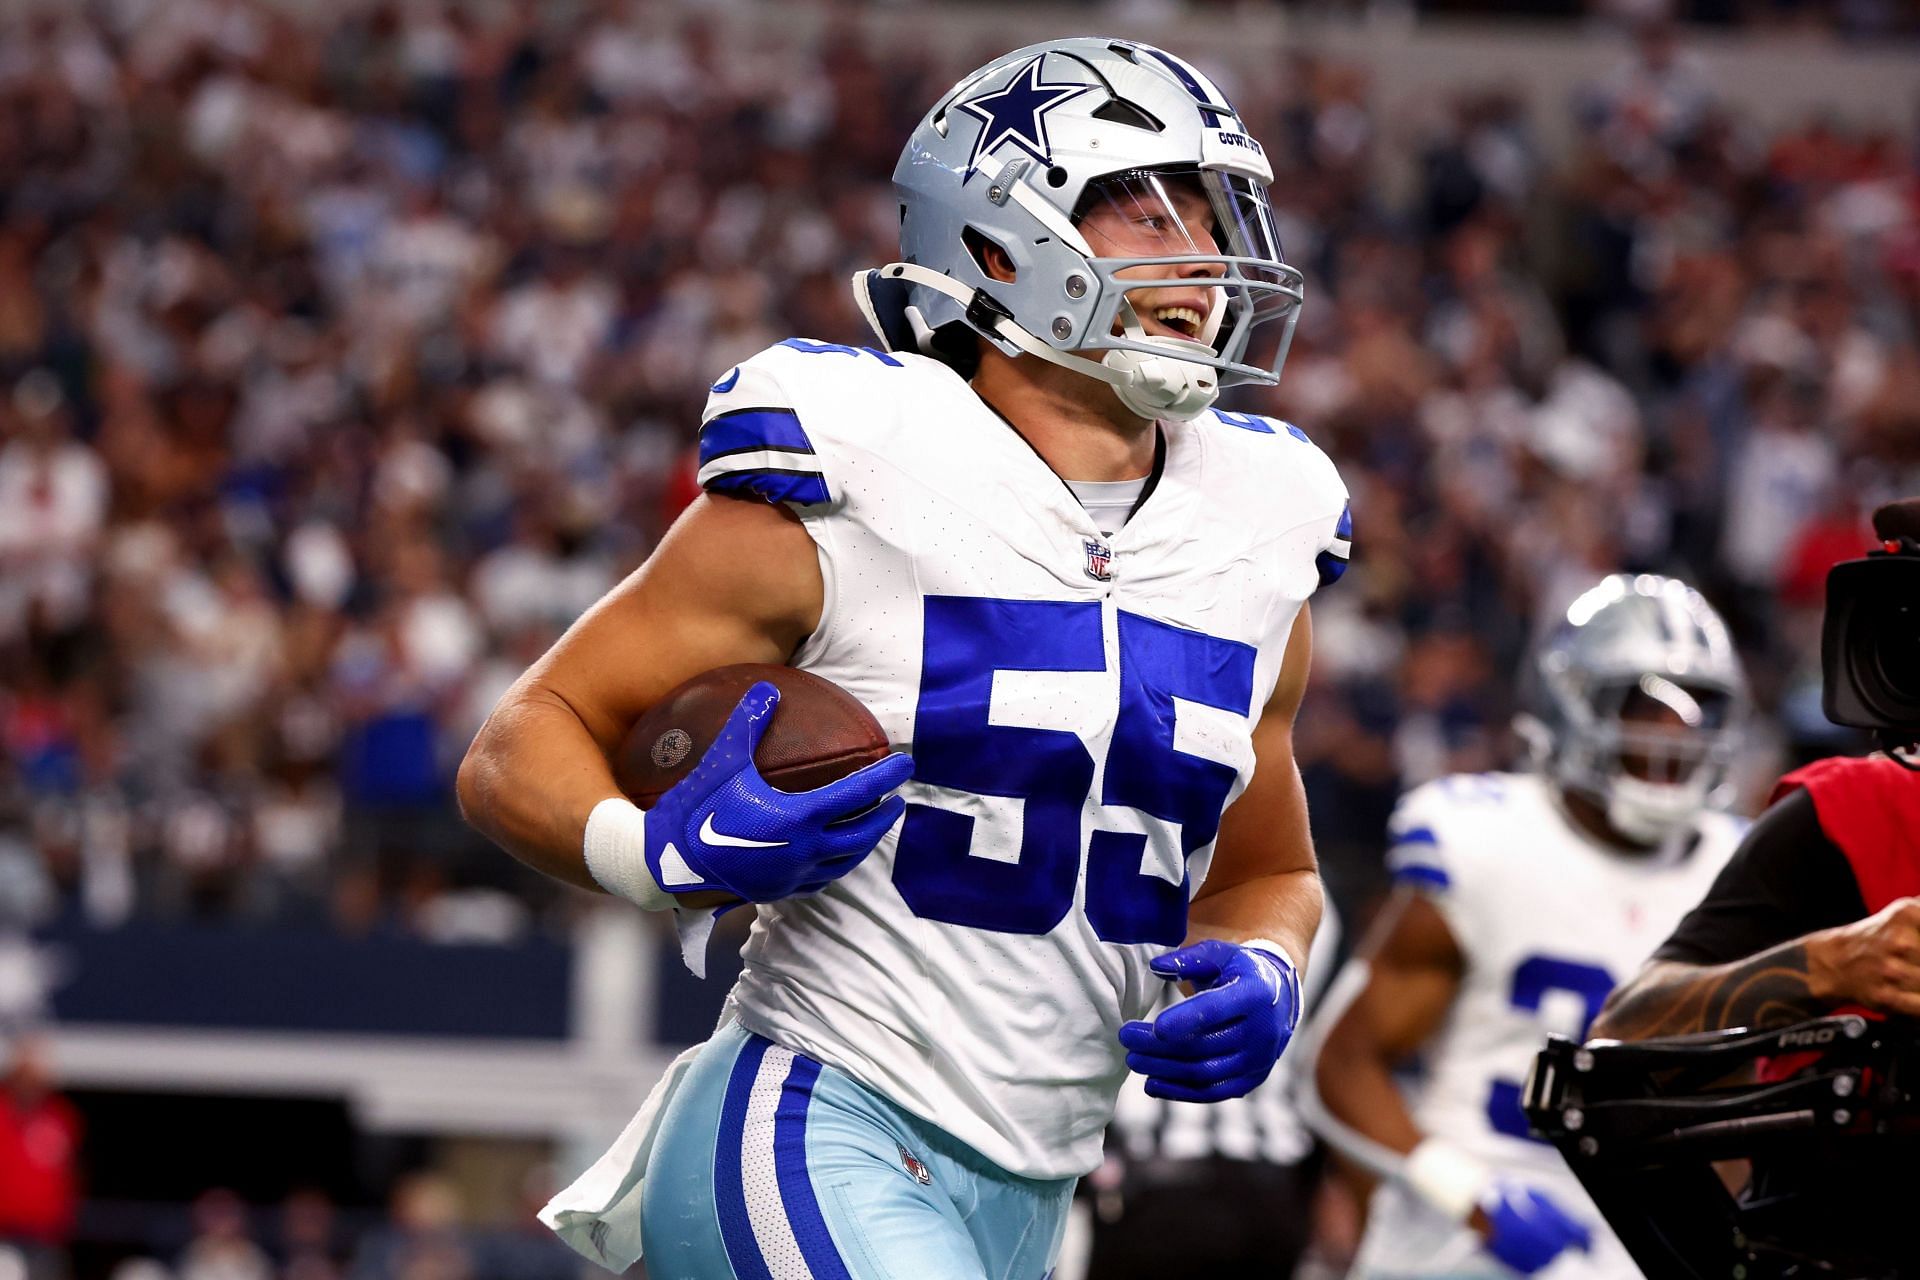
(1079,708)
(1548,922)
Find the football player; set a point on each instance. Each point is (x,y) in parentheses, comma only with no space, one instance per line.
(1019,532)
(1522,899)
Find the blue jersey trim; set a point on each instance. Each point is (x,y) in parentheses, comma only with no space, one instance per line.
(1415,835)
(729,1188)
(808,488)
(1330,567)
(1260,426)
(1245,421)
(1422,875)
(790,1169)
(743,430)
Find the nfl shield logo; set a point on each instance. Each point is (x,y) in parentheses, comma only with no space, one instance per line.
(1099,560)
(921,1174)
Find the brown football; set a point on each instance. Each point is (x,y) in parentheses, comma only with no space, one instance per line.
(818,734)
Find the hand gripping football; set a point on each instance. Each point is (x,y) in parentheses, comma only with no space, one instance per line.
(819,733)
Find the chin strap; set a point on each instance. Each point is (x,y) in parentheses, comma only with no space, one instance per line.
(1149,385)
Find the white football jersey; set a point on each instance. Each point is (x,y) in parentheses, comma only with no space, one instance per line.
(1079,708)
(1548,922)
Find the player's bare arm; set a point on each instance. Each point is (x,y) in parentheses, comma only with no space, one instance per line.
(1414,967)
(1874,963)
(733,581)
(1264,882)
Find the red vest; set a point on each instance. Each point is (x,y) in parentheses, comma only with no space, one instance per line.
(1870,809)
(39,1191)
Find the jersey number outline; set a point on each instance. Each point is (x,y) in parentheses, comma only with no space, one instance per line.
(968,639)
(1533,978)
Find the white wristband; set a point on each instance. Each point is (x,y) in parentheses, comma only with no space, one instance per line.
(1445,1177)
(1272,948)
(616,849)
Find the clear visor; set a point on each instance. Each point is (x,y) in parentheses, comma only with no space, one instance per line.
(1189,254)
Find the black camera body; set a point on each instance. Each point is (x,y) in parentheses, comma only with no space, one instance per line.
(1870,647)
(1827,1112)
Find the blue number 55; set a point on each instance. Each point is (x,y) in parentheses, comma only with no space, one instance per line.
(968,639)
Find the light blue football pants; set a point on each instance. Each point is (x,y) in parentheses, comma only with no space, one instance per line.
(770,1166)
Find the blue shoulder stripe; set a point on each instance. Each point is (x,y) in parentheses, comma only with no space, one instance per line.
(1422,875)
(1333,561)
(805,487)
(745,430)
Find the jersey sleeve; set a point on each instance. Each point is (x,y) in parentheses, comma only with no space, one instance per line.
(1427,852)
(1332,560)
(1304,472)
(753,443)
(1335,534)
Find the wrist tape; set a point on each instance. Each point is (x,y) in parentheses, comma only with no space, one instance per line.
(616,851)
(1445,1177)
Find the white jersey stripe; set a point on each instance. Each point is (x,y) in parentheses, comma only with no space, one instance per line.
(759,460)
(759,1177)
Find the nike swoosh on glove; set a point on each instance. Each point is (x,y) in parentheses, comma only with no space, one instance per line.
(1223,1040)
(725,827)
(1526,1229)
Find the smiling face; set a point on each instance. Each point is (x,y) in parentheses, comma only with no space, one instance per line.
(1149,215)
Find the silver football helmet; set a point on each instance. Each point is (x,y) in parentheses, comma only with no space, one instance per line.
(1018,156)
(1637,700)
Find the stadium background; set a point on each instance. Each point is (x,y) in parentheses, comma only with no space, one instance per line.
(348,350)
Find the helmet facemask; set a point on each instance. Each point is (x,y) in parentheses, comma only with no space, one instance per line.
(1636,703)
(1650,753)
(1183,265)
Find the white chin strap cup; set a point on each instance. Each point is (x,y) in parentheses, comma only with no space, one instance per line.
(1151,386)
(1162,386)
(1650,812)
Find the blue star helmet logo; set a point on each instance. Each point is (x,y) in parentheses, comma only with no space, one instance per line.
(1018,114)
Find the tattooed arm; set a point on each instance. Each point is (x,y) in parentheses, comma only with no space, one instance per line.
(1873,963)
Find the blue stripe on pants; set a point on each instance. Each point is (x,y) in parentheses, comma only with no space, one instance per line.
(729,1191)
(790,1167)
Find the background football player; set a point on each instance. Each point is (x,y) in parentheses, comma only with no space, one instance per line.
(1024,539)
(1522,899)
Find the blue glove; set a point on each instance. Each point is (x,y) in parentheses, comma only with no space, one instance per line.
(1526,1229)
(1223,1040)
(724,827)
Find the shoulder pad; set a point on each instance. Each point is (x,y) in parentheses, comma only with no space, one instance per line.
(1309,474)
(1426,847)
(753,441)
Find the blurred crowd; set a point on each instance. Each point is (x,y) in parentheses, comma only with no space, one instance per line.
(342,365)
(471,1223)
(426,1233)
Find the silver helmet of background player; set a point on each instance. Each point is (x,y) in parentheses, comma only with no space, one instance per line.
(1016,152)
(1651,641)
